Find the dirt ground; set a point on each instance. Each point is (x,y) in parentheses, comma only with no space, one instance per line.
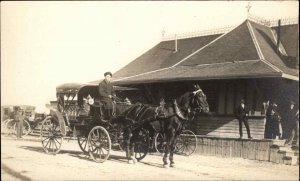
(25,160)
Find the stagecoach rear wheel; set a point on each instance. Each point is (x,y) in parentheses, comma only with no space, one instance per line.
(51,135)
(99,144)
(141,147)
(159,143)
(186,143)
(82,141)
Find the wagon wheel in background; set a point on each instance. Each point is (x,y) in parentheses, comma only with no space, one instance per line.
(159,143)
(99,144)
(51,135)
(10,126)
(141,146)
(26,128)
(82,141)
(4,126)
(186,143)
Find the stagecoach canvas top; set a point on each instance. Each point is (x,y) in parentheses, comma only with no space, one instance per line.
(249,46)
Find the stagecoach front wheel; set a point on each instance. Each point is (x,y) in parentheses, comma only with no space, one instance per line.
(51,136)
(99,144)
(82,141)
(186,143)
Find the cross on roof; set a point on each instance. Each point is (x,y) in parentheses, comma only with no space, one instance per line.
(248,7)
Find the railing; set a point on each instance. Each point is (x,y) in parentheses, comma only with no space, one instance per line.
(259,20)
(272,23)
(197,33)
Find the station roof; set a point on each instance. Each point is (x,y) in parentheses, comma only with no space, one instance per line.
(247,51)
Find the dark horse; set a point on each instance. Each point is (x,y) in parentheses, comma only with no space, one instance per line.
(171,115)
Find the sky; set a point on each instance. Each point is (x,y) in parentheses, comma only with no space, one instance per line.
(48,43)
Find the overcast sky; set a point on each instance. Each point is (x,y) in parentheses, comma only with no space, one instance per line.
(44,44)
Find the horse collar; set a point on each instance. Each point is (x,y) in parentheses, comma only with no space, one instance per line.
(178,112)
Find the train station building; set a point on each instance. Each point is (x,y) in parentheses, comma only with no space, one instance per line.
(256,61)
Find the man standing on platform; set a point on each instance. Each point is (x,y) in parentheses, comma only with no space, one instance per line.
(294,122)
(241,115)
(106,92)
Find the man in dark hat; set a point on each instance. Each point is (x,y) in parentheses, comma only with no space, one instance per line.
(293,121)
(241,115)
(106,92)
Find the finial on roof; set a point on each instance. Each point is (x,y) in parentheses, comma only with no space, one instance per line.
(163,32)
(248,7)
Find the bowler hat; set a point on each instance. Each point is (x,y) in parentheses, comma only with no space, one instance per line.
(107,73)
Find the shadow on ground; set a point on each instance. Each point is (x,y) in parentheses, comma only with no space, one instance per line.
(14,173)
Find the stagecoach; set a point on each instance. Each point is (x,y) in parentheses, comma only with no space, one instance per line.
(78,114)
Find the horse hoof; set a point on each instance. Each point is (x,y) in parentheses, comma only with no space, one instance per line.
(130,162)
(172,165)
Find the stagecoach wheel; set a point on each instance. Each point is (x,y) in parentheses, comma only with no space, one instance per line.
(141,146)
(82,141)
(159,143)
(186,143)
(51,136)
(99,144)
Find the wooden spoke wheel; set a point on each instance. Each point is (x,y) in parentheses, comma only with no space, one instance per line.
(11,127)
(4,126)
(82,141)
(141,147)
(99,144)
(186,143)
(159,143)
(51,136)
(117,138)
(26,128)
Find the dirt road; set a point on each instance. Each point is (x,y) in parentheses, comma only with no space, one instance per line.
(26,160)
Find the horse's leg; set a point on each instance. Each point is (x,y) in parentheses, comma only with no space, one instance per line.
(166,150)
(172,150)
(132,151)
(127,139)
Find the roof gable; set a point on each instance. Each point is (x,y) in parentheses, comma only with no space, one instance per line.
(267,45)
(236,45)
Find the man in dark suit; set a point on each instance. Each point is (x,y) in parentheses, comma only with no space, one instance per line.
(293,121)
(241,115)
(106,92)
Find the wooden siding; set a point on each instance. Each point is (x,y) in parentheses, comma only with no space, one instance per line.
(227,126)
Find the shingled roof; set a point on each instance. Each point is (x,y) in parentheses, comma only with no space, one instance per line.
(163,55)
(247,51)
(287,38)
(225,70)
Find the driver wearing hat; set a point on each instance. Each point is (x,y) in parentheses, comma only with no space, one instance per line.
(106,92)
